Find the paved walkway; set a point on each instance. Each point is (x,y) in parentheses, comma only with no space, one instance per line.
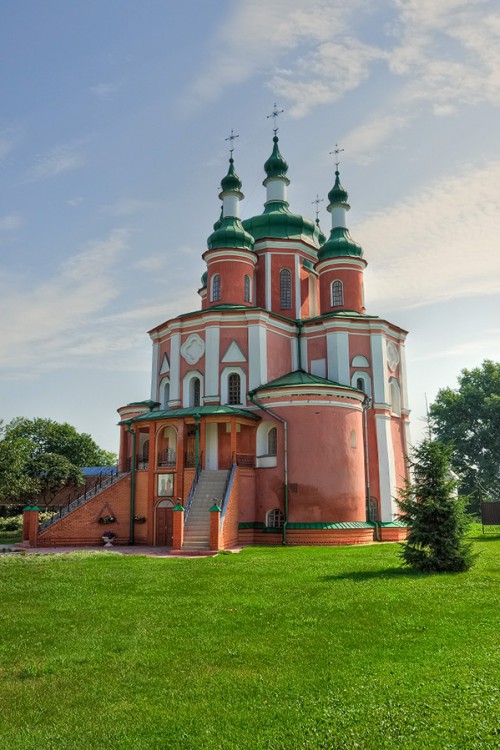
(136,549)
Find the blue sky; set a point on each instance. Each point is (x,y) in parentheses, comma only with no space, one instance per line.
(112,148)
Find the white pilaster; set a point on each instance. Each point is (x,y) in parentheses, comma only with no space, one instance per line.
(337,352)
(297,287)
(386,466)
(257,356)
(212,358)
(402,376)
(381,393)
(267,270)
(294,350)
(303,353)
(154,372)
(175,367)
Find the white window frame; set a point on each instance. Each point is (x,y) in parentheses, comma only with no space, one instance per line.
(224,386)
(247,288)
(286,304)
(274,525)
(263,459)
(364,376)
(335,286)
(187,391)
(214,298)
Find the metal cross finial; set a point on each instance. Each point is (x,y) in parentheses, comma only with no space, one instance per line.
(231,138)
(317,201)
(274,114)
(337,151)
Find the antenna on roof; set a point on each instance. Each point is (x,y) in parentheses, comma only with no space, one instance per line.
(274,114)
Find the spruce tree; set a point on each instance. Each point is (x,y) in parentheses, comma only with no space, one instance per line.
(434,514)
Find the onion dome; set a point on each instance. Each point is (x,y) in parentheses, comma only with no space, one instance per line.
(230,234)
(275,166)
(340,244)
(204,280)
(231,183)
(337,194)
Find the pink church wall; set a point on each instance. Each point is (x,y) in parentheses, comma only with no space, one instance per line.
(329,473)
(279,355)
(232,272)
(352,279)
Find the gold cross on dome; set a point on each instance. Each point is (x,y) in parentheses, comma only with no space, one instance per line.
(274,114)
(231,138)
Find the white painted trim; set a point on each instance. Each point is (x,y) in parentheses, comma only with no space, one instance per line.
(267,269)
(154,371)
(257,356)
(212,354)
(297,288)
(402,376)
(294,353)
(293,245)
(381,392)
(304,354)
(226,372)
(233,255)
(212,446)
(175,364)
(161,392)
(186,383)
(233,353)
(337,347)
(359,360)
(387,469)
(365,377)
(313,402)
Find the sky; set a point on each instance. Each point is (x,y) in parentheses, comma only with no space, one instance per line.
(112,147)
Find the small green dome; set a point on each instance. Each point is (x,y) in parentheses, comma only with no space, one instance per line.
(231,183)
(337,194)
(340,244)
(204,279)
(276,166)
(230,234)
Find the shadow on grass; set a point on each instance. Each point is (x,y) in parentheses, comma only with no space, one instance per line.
(492,537)
(369,575)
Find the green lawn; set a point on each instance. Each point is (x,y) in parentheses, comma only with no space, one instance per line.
(271,648)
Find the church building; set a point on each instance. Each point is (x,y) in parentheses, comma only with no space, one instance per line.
(278,411)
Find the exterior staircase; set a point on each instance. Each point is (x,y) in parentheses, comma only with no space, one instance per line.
(211,485)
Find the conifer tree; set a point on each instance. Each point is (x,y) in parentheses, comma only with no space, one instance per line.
(434,513)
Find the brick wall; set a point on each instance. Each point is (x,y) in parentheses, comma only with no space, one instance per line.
(229,535)
(81,525)
(397,534)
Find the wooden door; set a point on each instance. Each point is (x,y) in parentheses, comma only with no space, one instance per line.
(164,527)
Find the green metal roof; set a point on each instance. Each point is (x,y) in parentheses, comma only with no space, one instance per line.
(278,222)
(231,183)
(201,411)
(301,378)
(276,166)
(339,245)
(204,280)
(230,234)
(332,525)
(148,402)
(337,194)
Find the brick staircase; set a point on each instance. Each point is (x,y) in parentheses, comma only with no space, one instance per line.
(211,486)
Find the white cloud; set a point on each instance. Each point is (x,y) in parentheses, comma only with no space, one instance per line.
(5,147)
(128,207)
(362,142)
(10,222)
(104,91)
(440,244)
(59,160)
(40,318)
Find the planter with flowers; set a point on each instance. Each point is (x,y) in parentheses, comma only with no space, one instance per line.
(108,537)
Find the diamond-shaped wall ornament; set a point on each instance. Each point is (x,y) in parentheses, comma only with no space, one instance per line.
(193,349)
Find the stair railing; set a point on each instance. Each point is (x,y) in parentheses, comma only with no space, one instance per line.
(227,492)
(197,473)
(105,480)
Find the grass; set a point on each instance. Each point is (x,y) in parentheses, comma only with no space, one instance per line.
(10,537)
(271,648)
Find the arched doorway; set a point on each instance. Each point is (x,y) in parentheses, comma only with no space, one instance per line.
(164,523)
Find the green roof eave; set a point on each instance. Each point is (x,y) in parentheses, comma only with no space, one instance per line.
(148,402)
(332,525)
(299,378)
(192,411)
(340,245)
(230,234)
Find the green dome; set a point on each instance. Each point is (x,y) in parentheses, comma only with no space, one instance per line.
(204,279)
(230,234)
(276,166)
(278,222)
(340,244)
(337,194)
(231,183)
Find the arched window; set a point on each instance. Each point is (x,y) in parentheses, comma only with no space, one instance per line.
(285,289)
(360,384)
(145,450)
(361,380)
(195,392)
(272,442)
(247,293)
(275,519)
(165,392)
(234,388)
(337,293)
(215,296)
